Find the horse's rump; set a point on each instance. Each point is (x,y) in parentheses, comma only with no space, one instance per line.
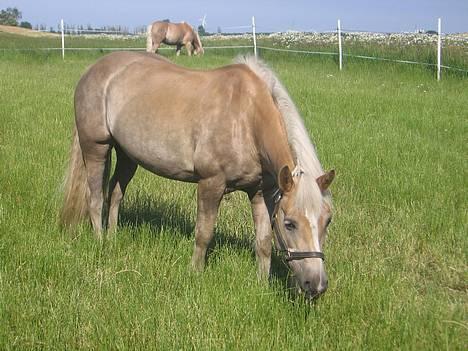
(159,30)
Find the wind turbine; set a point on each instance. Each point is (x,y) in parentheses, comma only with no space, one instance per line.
(203,21)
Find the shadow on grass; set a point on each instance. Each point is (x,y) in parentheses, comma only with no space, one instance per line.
(157,215)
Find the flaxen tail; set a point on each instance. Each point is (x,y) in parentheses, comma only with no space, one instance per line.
(149,38)
(75,207)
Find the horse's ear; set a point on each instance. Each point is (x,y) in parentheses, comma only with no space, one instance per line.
(285,179)
(325,180)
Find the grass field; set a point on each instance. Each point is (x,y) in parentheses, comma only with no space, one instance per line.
(396,251)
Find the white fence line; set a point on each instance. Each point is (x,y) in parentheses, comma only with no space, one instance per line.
(254,36)
(255,47)
(439,48)
(72,31)
(340,47)
(299,51)
(361,57)
(122,49)
(63,39)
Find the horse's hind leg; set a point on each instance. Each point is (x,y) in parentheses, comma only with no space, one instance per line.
(178,48)
(156,47)
(124,172)
(210,193)
(97,161)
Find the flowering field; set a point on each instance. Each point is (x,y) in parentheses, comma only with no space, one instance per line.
(306,38)
(396,250)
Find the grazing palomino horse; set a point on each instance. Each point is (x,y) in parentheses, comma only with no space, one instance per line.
(231,128)
(173,34)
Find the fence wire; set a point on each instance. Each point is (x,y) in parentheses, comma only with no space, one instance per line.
(260,47)
(374,58)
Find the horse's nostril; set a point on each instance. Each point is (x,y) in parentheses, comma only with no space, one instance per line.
(309,289)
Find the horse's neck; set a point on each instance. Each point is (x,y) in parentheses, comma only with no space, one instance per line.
(275,148)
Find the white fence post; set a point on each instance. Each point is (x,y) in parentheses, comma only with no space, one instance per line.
(254,37)
(63,39)
(439,48)
(340,48)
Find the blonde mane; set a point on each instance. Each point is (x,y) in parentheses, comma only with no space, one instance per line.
(298,137)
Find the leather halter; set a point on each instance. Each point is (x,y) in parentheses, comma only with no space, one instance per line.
(288,254)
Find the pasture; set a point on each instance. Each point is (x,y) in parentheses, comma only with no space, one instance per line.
(396,250)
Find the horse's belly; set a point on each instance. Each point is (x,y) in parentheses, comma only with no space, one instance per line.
(185,145)
(163,161)
(162,150)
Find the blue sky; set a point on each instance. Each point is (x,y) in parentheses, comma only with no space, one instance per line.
(371,15)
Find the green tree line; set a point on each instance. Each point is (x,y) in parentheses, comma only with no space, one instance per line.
(11,16)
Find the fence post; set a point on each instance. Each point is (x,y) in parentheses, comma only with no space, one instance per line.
(254,37)
(340,48)
(63,39)
(439,48)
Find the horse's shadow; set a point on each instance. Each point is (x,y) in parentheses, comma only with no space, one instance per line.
(158,214)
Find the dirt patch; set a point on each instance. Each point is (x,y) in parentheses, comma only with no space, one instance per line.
(25,32)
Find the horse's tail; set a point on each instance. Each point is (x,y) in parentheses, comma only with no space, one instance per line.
(149,38)
(76,192)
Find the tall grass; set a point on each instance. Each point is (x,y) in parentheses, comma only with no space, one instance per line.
(396,251)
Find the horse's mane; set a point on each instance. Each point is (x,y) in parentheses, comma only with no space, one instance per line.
(298,137)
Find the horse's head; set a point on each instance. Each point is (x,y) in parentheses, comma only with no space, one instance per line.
(198,45)
(199,51)
(300,222)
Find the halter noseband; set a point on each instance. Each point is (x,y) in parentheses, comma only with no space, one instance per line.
(288,254)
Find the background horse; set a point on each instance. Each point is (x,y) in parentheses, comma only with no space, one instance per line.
(232,128)
(173,34)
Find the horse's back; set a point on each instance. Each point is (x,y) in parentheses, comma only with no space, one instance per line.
(134,74)
(179,33)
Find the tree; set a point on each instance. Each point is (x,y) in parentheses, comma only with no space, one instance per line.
(26,24)
(10,16)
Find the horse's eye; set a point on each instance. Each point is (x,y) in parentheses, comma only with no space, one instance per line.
(289,224)
(328,222)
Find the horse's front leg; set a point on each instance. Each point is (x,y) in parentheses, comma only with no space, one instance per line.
(178,48)
(210,193)
(261,219)
(189,48)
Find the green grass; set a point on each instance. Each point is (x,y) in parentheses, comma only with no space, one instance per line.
(396,251)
